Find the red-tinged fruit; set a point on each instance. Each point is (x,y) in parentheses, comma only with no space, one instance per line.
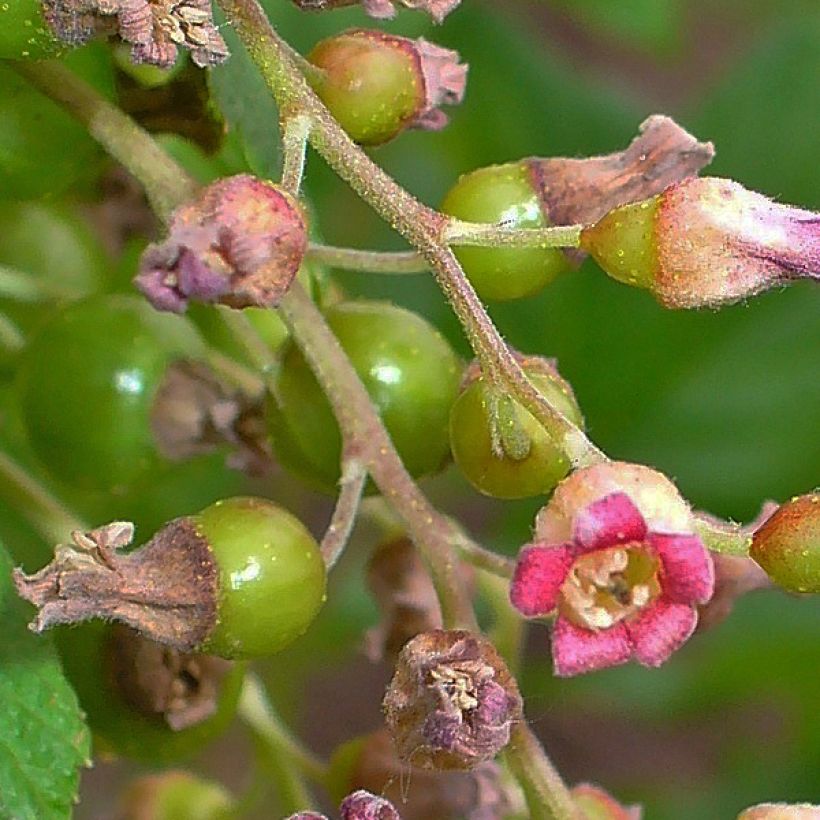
(787,545)
(377,84)
(616,561)
(239,243)
(596,804)
(706,242)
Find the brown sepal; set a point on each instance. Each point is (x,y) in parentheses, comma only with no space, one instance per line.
(581,191)
(166,590)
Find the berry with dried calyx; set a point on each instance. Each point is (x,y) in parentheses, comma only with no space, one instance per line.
(377,84)
(239,243)
(241,579)
(787,545)
(452,701)
(501,449)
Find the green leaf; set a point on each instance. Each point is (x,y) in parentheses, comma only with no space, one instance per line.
(43,739)
(246,104)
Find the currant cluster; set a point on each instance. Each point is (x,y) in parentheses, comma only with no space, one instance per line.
(171,365)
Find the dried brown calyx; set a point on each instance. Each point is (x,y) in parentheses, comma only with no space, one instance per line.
(194,412)
(483,793)
(166,590)
(581,191)
(452,701)
(181,688)
(156,29)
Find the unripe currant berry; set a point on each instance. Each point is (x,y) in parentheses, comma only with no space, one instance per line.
(452,701)
(241,579)
(787,546)
(175,795)
(501,449)
(596,804)
(706,242)
(377,84)
(239,243)
(24,32)
(407,367)
(505,194)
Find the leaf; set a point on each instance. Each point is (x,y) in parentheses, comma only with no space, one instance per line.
(242,97)
(43,739)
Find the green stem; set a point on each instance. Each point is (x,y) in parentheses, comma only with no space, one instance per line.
(165,183)
(457,232)
(12,339)
(351,487)
(547,796)
(23,287)
(723,536)
(46,514)
(396,262)
(295,132)
(507,632)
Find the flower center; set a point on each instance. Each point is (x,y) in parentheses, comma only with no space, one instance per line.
(605,586)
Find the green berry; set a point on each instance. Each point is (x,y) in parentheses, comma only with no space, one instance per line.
(176,795)
(410,372)
(86,386)
(503,193)
(24,33)
(787,546)
(271,576)
(500,447)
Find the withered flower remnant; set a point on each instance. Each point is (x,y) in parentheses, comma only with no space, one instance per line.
(452,701)
(706,242)
(384,9)
(239,243)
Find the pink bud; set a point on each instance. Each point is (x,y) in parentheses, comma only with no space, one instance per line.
(706,242)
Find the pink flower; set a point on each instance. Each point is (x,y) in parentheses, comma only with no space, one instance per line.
(619,588)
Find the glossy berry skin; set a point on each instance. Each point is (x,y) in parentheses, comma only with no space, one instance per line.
(503,193)
(409,371)
(118,727)
(24,33)
(371,85)
(505,477)
(271,576)
(86,385)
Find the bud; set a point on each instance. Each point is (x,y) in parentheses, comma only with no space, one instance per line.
(498,445)
(596,804)
(615,558)
(706,242)
(239,243)
(242,578)
(781,811)
(377,84)
(362,805)
(175,795)
(384,9)
(452,701)
(787,545)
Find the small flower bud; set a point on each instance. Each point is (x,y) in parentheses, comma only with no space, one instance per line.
(706,242)
(452,701)
(175,795)
(362,805)
(781,811)
(239,243)
(616,560)
(378,84)
(787,545)
(596,804)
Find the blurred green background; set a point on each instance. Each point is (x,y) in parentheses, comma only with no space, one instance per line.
(727,403)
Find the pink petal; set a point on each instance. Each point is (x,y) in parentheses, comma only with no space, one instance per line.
(576,650)
(607,522)
(688,572)
(539,573)
(660,629)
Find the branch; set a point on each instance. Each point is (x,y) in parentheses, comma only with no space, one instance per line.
(396,262)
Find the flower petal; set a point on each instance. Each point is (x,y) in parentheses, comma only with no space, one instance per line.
(688,572)
(539,573)
(576,650)
(660,629)
(607,522)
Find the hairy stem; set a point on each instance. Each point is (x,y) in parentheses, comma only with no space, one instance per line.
(457,232)
(396,262)
(351,486)
(295,132)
